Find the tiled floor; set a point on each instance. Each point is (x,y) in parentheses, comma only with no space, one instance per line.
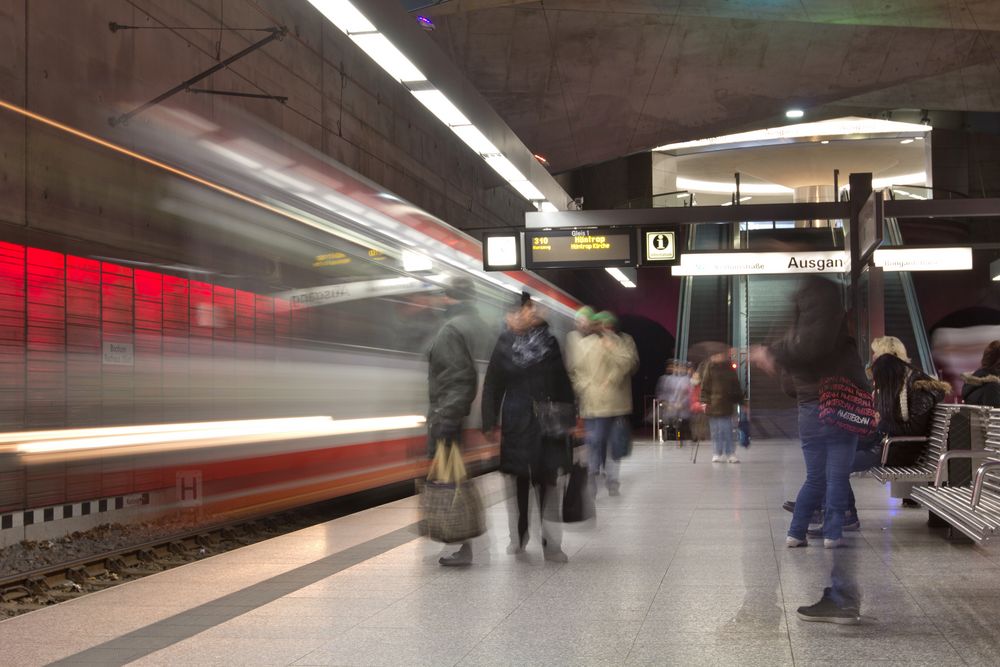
(686,567)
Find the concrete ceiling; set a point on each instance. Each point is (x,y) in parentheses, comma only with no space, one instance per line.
(584,81)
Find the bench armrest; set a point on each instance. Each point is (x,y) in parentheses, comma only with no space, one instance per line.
(891,440)
(958,454)
(977,485)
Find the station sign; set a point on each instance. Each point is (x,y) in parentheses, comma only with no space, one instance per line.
(579,248)
(659,246)
(762,263)
(826,261)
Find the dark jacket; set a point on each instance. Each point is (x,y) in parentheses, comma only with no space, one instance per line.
(510,391)
(817,345)
(720,390)
(452,378)
(922,394)
(981,388)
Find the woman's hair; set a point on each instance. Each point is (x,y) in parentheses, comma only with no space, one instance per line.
(991,357)
(889,375)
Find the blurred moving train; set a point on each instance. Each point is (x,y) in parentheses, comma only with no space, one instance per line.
(222,320)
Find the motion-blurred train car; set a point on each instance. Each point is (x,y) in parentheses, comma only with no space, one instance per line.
(218,320)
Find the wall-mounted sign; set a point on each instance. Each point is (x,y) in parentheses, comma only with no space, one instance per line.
(762,263)
(924,259)
(579,248)
(502,252)
(118,354)
(826,261)
(659,246)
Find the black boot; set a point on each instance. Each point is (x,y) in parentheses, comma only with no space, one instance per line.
(827,611)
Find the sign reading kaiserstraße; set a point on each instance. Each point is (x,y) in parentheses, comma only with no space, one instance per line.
(579,248)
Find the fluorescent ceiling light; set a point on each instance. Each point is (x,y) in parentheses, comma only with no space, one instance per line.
(725,188)
(795,113)
(825,141)
(441,106)
(389,58)
(620,276)
(527,190)
(415,261)
(995,270)
(505,168)
(906,141)
(475,139)
(837,127)
(344,15)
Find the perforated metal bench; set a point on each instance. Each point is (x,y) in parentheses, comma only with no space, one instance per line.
(972,509)
(936,443)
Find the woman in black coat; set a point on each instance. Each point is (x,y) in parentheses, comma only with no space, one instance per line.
(526,371)
(983,386)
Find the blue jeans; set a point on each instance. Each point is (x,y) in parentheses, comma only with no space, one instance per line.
(829,455)
(722,435)
(601,433)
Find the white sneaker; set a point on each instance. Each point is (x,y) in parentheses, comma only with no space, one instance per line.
(833,544)
(733,459)
(793,542)
(716,459)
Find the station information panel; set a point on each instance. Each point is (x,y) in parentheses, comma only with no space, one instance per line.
(579,248)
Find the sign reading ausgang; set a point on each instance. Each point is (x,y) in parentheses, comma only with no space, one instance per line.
(762,263)
(579,248)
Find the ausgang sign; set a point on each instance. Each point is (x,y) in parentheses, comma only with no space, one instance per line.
(762,263)
(824,261)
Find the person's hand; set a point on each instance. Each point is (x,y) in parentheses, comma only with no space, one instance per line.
(446,431)
(761,357)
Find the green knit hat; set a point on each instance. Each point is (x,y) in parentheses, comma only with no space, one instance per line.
(586,313)
(605,317)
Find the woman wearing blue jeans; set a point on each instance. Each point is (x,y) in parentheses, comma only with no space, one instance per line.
(817,346)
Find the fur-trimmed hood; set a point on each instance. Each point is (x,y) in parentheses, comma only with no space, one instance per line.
(930,384)
(978,380)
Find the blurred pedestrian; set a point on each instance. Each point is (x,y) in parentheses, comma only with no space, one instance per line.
(602,376)
(721,393)
(982,387)
(527,375)
(584,326)
(673,391)
(815,351)
(452,377)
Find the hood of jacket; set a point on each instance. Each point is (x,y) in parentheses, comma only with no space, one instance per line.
(979,380)
(931,384)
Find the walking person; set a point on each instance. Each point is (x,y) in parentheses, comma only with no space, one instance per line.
(673,391)
(452,378)
(722,394)
(602,377)
(526,374)
(818,348)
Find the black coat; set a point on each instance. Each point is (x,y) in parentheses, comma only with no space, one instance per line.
(510,392)
(818,344)
(923,393)
(981,388)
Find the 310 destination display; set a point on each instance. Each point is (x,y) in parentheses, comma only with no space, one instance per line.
(579,248)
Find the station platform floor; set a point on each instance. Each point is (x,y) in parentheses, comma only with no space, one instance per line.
(686,567)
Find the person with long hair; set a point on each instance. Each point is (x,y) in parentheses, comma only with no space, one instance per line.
(982,387)
(526,372)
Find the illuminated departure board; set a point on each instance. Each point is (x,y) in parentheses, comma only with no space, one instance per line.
(579,248)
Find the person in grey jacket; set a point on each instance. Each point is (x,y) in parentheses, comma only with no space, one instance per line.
(452,378)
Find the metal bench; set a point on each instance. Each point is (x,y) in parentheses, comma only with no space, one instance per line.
(924,468)
(974,509)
